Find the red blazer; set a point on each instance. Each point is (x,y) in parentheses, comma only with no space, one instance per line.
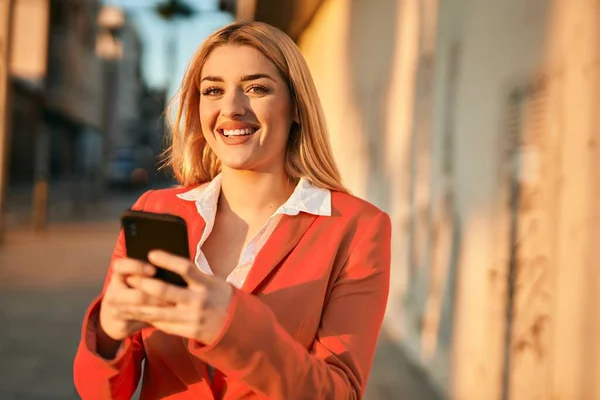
(303,326)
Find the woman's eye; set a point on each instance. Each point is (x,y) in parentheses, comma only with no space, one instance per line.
(212,91)
(258,89)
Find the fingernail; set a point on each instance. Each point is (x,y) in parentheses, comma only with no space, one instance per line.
(149,270)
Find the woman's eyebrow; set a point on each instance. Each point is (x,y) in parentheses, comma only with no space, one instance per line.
(212,79)
(245,78)
(253,77)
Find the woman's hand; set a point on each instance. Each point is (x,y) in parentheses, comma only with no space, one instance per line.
(115,322)
(198,312)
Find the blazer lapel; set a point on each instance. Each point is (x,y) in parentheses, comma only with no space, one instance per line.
(284,238)
(195,227)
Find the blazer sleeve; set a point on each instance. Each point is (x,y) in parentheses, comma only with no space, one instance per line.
(254,348)
(94,376)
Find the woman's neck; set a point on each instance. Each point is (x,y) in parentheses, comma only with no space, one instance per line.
(249,194)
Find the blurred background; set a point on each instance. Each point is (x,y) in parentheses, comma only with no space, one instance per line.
(475,124)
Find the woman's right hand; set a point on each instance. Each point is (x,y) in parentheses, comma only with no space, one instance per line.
(115,322)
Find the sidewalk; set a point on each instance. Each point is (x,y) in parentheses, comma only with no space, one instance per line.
(394,377)
(61,204)
(46,283)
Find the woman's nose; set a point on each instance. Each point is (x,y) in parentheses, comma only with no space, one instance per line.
(234,104)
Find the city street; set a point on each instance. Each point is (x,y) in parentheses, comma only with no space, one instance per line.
(46,282)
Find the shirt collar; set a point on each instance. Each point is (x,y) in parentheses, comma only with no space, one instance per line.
(305,198)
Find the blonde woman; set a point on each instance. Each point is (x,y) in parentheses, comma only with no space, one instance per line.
(289,274)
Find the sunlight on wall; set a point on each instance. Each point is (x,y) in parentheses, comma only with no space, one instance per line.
(572,52)
(444,177)
(324,45)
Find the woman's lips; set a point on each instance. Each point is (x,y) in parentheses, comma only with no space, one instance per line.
(236,136)
(237,132)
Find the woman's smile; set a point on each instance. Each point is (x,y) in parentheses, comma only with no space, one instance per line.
(236,132)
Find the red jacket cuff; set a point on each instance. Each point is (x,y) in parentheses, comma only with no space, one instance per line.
(89,344)
(231,350)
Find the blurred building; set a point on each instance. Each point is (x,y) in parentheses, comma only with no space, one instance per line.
(474,124)
(127,84)
(26,113)
(63,101)
(126,143)
(26,77)
(74,116)
(75,93)
(153,125)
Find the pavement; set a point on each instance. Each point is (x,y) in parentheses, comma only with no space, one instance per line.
(65,204)
(47,281)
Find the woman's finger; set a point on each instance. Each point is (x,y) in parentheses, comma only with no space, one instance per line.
(153,314)
(129,296)
(130,266)
(182,266)
(160,290)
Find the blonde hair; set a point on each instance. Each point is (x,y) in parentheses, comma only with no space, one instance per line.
(308,154)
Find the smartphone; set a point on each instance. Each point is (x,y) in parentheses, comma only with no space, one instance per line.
(146,231)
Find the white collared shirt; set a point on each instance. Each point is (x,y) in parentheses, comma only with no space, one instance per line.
(305,198)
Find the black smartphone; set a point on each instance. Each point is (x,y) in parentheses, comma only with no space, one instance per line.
(146,231)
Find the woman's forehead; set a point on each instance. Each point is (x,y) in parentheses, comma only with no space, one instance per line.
(233,62)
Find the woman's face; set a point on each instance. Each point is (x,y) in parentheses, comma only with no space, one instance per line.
(245,109)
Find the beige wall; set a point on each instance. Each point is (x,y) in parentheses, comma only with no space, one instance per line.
(500,47)
(365,58)
(572,51)
(504,46)
(29,50)
(419,110)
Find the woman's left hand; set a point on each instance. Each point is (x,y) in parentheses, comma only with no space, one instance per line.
(198,312)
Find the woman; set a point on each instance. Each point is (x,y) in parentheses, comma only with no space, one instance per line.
(289,276)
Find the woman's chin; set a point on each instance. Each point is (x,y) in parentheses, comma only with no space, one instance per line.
(238,164)
(250,161)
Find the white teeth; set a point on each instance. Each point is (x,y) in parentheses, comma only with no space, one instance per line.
(238,132)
